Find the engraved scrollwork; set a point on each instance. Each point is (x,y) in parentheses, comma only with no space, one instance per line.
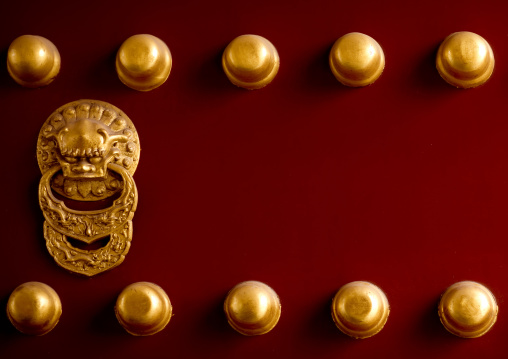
(89,262)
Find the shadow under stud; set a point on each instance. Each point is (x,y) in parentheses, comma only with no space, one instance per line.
(34,308)
(360,309)
(252,308)
(143,308)
(250,61)
(465,60)
(356,60)
(143,62)
(468,309)
(88,151)
(33,61)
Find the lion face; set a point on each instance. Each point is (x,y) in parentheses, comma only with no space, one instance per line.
(86,147)
(83,138)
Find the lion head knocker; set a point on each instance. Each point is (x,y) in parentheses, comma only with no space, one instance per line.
(88,151)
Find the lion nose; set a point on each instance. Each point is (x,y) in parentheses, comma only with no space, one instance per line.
(83,167)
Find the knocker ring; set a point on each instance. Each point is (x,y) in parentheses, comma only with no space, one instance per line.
(88,151)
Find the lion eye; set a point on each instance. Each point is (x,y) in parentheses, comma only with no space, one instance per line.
(95,160)
(71,159)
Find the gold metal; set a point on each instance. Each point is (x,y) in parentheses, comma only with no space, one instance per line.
(143,62)
(34,308)
(33,61)
(88,150)
(250,61)
(143,308)
(252,308)
(360,309)
(468,309)
(356,59)
(465,60)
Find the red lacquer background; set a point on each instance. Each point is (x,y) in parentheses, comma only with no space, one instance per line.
(305,185)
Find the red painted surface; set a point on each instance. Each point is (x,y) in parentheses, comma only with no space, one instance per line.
(305,184)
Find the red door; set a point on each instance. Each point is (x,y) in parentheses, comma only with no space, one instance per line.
(305,184)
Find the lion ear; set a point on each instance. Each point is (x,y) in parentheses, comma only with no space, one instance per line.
(105,135)
(60,136)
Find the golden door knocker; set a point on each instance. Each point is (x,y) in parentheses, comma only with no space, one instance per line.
(88,151)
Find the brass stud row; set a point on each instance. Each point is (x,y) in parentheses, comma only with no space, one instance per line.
(143,62)
(359,309)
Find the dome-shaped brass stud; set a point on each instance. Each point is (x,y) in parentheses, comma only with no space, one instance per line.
(250,61)
(468,309)
(465,60)
(143,308)
(360,309)
(34,308)
(33,61)
(143,62)
(356,59)
(252,308)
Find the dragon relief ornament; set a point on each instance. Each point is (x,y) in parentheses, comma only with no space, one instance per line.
(87,151)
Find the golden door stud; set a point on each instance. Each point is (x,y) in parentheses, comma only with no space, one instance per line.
(34,308)
(143,308)
(356,59)
(360,309)
(33,61)
(250,61)
(465,60)
(468,309)
(143,62)
(252,308)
